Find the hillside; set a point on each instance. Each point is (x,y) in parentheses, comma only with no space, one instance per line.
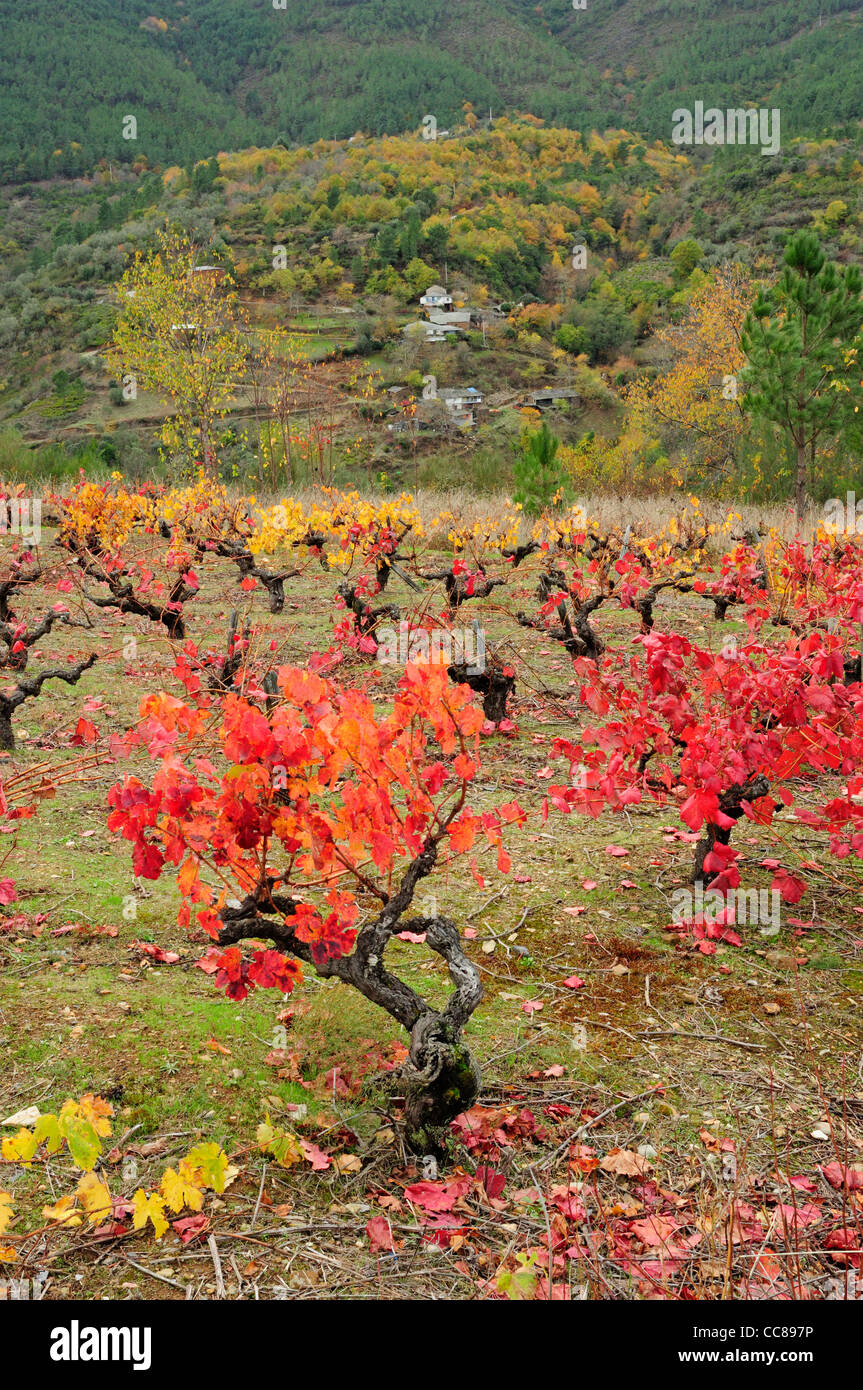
(331,247)
(225,74)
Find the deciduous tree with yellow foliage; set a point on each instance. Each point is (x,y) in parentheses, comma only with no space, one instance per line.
(180,335)
(697,395)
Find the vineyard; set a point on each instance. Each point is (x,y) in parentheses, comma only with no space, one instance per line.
(402,905)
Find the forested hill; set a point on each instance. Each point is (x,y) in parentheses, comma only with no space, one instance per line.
(203,75)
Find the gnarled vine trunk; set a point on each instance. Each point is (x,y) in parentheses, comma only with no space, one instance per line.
(729,803)
(492,684)
(441,1077)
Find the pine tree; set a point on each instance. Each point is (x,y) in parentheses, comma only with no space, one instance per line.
(803,342)
(539,478)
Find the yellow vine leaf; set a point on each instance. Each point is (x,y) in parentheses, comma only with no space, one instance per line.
(20,1148)
(5,1211)
(212,1163)
(98,1112)
(95,1198)
(81,1137)
(180,1190)
(63,1212)
(149,1207)
(47,1131)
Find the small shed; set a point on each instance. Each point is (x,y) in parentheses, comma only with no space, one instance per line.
(548,400)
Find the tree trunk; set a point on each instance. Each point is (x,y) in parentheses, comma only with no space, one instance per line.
(432,1103)
(730,803)
(440,1076)
(275,588)
(208,462)
(800,482)
(494,687)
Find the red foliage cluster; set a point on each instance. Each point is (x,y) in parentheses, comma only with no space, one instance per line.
(338,790)
(717,732)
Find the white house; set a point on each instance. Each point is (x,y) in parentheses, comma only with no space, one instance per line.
(436,297)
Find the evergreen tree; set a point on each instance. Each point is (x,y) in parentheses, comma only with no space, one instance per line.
(387,244)
(410,237)
(538,476)
(803,342)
